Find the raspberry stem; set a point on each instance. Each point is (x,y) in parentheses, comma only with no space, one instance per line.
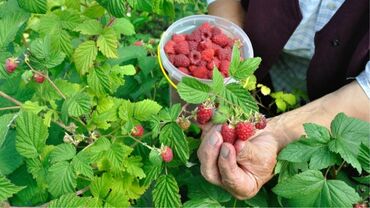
(13,100)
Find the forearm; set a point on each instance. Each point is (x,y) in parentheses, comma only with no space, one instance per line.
(350,99)
(229,9)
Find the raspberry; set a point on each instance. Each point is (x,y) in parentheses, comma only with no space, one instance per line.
(208,54)
(216,31)
(205,44)
(137,131)
(171,58)
(210,74)
(216,47)
(204,114)
(169,48)
(205,27)
(228,133)
(224,68)
(38,78)
(181,60)
(201,72)
(193,46)
(206,35)
(184,123)
(182,47)
(195,57)
(261,124)
(184,70)
(224,53)
(167,154)
(214,63)
(196,36)
(192,68)
(11,64)
(138,43)
(178,38)
(221,40)
(244,130)
(203,63)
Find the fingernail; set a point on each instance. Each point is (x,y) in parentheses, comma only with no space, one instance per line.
(213,140)
(225,152)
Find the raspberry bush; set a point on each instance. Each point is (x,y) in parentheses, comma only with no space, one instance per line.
(85,119)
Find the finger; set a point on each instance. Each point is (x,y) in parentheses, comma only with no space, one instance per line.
(206,128)
(208,155)
(237,181)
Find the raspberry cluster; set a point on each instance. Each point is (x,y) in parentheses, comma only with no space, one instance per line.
(197,53)
(235,129)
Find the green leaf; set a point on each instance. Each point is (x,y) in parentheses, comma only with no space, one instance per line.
(204,202)
(94,11)
(166,192)
(235,61)
(99,80)
(127,53)
(260,200)
(11,23)
(90,27)
(237,95)
(172,135)
(128,70)
(107,43)
(281,105)
(44,54)
(81,165)
(31,135)
(10,159)
(364,157)
(79,104)
(61,179)
(38,169)
(133,166)
(199,188)
(155,157)
(100,186)
(62,152)
(84,56)
(363,180)
(247,68)
(32,107)
(33,6)
(115,7)
(71,200)
(312,189)
(217,81)
(317,132)
(152,172)
(123,26)
(5,122)
(145,109)
(221,115)
(193,91)
(170,114)
(7,189)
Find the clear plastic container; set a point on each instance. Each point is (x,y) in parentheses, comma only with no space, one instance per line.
(187,25)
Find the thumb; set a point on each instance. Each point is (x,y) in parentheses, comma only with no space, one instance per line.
(229,169)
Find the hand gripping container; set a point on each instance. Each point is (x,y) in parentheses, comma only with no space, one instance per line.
(186,26)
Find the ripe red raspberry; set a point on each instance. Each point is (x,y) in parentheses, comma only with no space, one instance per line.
(203,63)
(138,43)
(216,31)
(205,27)
(193,46)
(184,70)
(208,54)
(201,72)
(262,122)
(137,131)
(181,60)
(184,123)
(214,63)
(171,58)
(221,40)
(196,36)
(204,44)
(169,48)
(182,47)
(167,154)
(210,74)
(178,38)
(224,53)
(192,68)
(38,78)
(360,205)
(228,133)
(195,57)
(204,114)
(11,64)
(224,68)
(206,34)
(244,130)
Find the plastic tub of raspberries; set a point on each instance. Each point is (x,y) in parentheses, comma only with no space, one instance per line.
(194,45)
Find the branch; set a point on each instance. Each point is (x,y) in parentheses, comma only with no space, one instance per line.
(4,95)
(10,108)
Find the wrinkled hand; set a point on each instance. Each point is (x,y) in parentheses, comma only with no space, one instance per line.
(242,168)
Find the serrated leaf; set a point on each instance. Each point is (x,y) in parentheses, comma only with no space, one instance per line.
(155,157)
(79,104)
(193,91)
(128,70)
(127,53)
(31,135)
(84,56)
(94,11)
(7,189)
(10,159)
(81,165)
(170,114)
(90,27)
(204,202)
(221,115)
(312,189)
(11,23)
(107,43)
(217,81)
(5,122)
(115,7)
(235,60)
(61,179)
(133,166)
(71,200)
(32,107)
(199,188)
(317,132)
(260,200)
(62,152)
(145,109)
(33,6)
(246,68)
(43,53)
(152,172)
(100,186)
(123,26)
(166,192)
(236,94)
(281,105)
(98,80)
(289,98)
(172,135)
(364,157)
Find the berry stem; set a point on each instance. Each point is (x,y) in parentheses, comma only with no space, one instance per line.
(46,77)
(10,108)
(4,95)
(143,143)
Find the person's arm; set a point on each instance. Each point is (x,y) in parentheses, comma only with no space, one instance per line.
(229,9)
(350,99)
